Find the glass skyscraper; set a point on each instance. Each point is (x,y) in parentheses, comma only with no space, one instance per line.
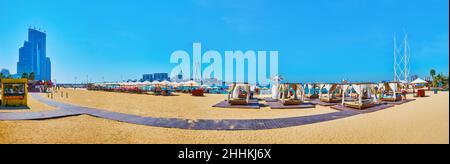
(33,56)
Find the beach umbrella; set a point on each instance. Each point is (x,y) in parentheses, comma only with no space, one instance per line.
(165,82)
(191,83)
(175,84)
(156,82)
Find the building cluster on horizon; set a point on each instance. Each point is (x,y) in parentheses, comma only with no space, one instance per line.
(155,77)
(178,78)
(33,57)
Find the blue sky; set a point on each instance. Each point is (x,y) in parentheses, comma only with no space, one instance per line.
(323,40)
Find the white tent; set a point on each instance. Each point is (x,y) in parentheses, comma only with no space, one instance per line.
(419,81)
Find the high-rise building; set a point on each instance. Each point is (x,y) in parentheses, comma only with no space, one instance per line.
(33,57)
(161,76)
(147,77)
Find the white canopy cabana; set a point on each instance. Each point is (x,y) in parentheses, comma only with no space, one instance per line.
(389,86)
(360,89)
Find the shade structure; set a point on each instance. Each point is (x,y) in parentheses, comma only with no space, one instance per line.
(175,84)
(165,82)
(419,81)
(156,82)
(191,83)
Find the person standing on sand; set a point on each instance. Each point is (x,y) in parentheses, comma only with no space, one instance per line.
(404,92)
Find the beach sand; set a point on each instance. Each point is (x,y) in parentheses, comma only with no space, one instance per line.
(425,120)
(179,106)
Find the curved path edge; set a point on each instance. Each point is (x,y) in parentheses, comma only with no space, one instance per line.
(67,110)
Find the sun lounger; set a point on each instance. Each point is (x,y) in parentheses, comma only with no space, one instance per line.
(236,95)
(238,101)
(296,98)
(312,96)
(374,108)
(360,106)
(331,99)
(395,98)
(252,104)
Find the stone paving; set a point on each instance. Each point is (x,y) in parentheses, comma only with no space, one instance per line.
(67,110)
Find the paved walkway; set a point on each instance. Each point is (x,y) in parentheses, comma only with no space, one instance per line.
(66,110)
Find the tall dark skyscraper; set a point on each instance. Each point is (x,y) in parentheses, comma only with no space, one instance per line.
(33,56)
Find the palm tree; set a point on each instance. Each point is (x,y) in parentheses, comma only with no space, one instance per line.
(432,74)
(25,75)
(441,78)
(32,76)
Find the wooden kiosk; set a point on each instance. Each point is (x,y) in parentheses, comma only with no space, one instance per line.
(14,92)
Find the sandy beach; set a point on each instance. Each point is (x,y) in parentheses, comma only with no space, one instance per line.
(425,120)
(178,106)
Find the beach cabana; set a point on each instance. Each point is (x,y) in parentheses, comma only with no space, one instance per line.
(364,93)
(390,91)
(312,91)
(239,94)
(330,96)
(292,94)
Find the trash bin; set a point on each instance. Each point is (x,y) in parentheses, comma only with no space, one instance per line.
(435,91)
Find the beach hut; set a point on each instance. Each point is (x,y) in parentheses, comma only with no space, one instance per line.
(14,92)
